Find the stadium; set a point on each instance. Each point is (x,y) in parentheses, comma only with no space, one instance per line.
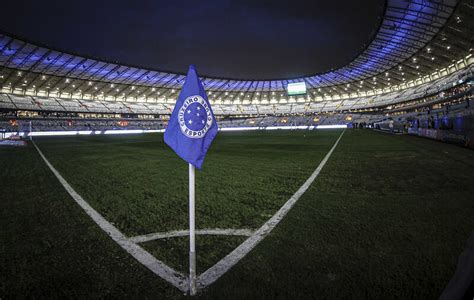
(341,168)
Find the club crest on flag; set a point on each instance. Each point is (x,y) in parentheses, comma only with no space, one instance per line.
(195,117)
(192,126)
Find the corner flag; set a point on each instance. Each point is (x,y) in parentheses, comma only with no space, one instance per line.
(192,126)
(190,132)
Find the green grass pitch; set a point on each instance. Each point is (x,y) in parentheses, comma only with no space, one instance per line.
(386,218)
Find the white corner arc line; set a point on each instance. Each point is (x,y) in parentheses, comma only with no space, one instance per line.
(158,267)
(182,233)
(225,264)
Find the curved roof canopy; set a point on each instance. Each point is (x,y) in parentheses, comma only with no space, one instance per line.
(239,39)
(416,37)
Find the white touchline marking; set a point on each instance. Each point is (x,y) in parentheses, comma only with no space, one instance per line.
(225,264)
(183,233)
(158,267)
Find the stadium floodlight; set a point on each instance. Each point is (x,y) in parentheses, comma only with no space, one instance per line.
(298,88)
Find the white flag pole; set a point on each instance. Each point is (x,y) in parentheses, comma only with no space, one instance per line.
(192,244)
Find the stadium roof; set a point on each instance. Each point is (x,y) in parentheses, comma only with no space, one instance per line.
(239,39)
(415,38)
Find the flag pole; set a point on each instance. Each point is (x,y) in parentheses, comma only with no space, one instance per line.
(192,244)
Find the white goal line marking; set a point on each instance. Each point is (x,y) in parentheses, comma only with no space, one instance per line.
(225,264)
(177,279)
(182,233)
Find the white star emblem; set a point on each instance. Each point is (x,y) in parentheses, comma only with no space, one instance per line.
(198,108)
(202,121)
(190,121)
(197,114)
(189,111)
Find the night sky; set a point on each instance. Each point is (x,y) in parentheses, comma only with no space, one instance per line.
(245,39)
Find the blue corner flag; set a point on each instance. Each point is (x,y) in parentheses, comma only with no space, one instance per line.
(192,126)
